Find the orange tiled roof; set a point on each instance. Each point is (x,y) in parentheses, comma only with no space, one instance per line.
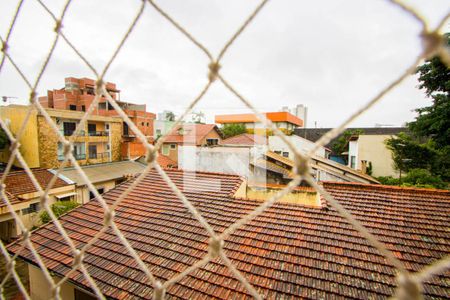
(280,116)
(165,162)
(290,251)
(19,183)
(193,134)
(245,139)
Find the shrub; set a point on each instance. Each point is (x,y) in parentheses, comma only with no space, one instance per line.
(58,208)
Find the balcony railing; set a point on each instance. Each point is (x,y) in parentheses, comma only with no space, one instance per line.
(77,156)
(81,156)
(102,155)
(98,133)
(69,132)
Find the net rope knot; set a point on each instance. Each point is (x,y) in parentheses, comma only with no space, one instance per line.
(159,292)
(432,42)
(67,148)
(58,26)
(33,96)
(215,247)
(301,165)
(109,217)
(5,47)
(408,288)
(78,258)
(99,86)
(214,68)
(25,234)
(14,145)
(151,155)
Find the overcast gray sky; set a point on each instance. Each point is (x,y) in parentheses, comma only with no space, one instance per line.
(332,56)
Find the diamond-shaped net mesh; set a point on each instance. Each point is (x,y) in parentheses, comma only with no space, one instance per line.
(409,284)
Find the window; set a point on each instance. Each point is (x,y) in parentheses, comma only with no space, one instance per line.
(212,142)
(93,151)
(148,124)
(165,149)
(79,151)
(83,108)
(69,128)
(99,190)
(125,129)
(92,129)
(107,127)
(173,146)
(68,198)
(277,152)
(72,107)
(34,207)
(142,124)
(353,162)
(286,154)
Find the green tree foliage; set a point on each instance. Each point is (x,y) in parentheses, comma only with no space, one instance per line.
(4,141)
(434,120)
(170,116)
(58,208)
(427,145)
(416,177)
(340,145)
(230,130)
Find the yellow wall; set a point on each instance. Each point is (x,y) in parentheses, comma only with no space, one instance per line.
(296,197)
(373,148)
(40,289)
(29,140)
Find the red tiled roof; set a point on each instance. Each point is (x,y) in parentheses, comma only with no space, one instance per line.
(245,139)
(19,183)
(193,134)
(165,161)
(288,251)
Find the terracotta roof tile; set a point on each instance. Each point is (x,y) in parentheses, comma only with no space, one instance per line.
(289,251)
(165,161)
(19,183)
(245,139)
(192,133)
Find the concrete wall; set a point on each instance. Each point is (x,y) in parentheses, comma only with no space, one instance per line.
(41,290)
(304,145)
(15,116)
(231,160)
(163,126)
(83,191)
(372,148)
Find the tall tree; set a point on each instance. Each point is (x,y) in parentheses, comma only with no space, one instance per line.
(427,147)
(230,130)
(434,120)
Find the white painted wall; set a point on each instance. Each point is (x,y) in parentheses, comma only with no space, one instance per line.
(353,151)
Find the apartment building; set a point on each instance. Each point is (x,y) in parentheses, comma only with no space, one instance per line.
(79,93)
(98,141)
(284,121)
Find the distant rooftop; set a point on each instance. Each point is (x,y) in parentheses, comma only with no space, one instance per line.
(314,134)
(252,118)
